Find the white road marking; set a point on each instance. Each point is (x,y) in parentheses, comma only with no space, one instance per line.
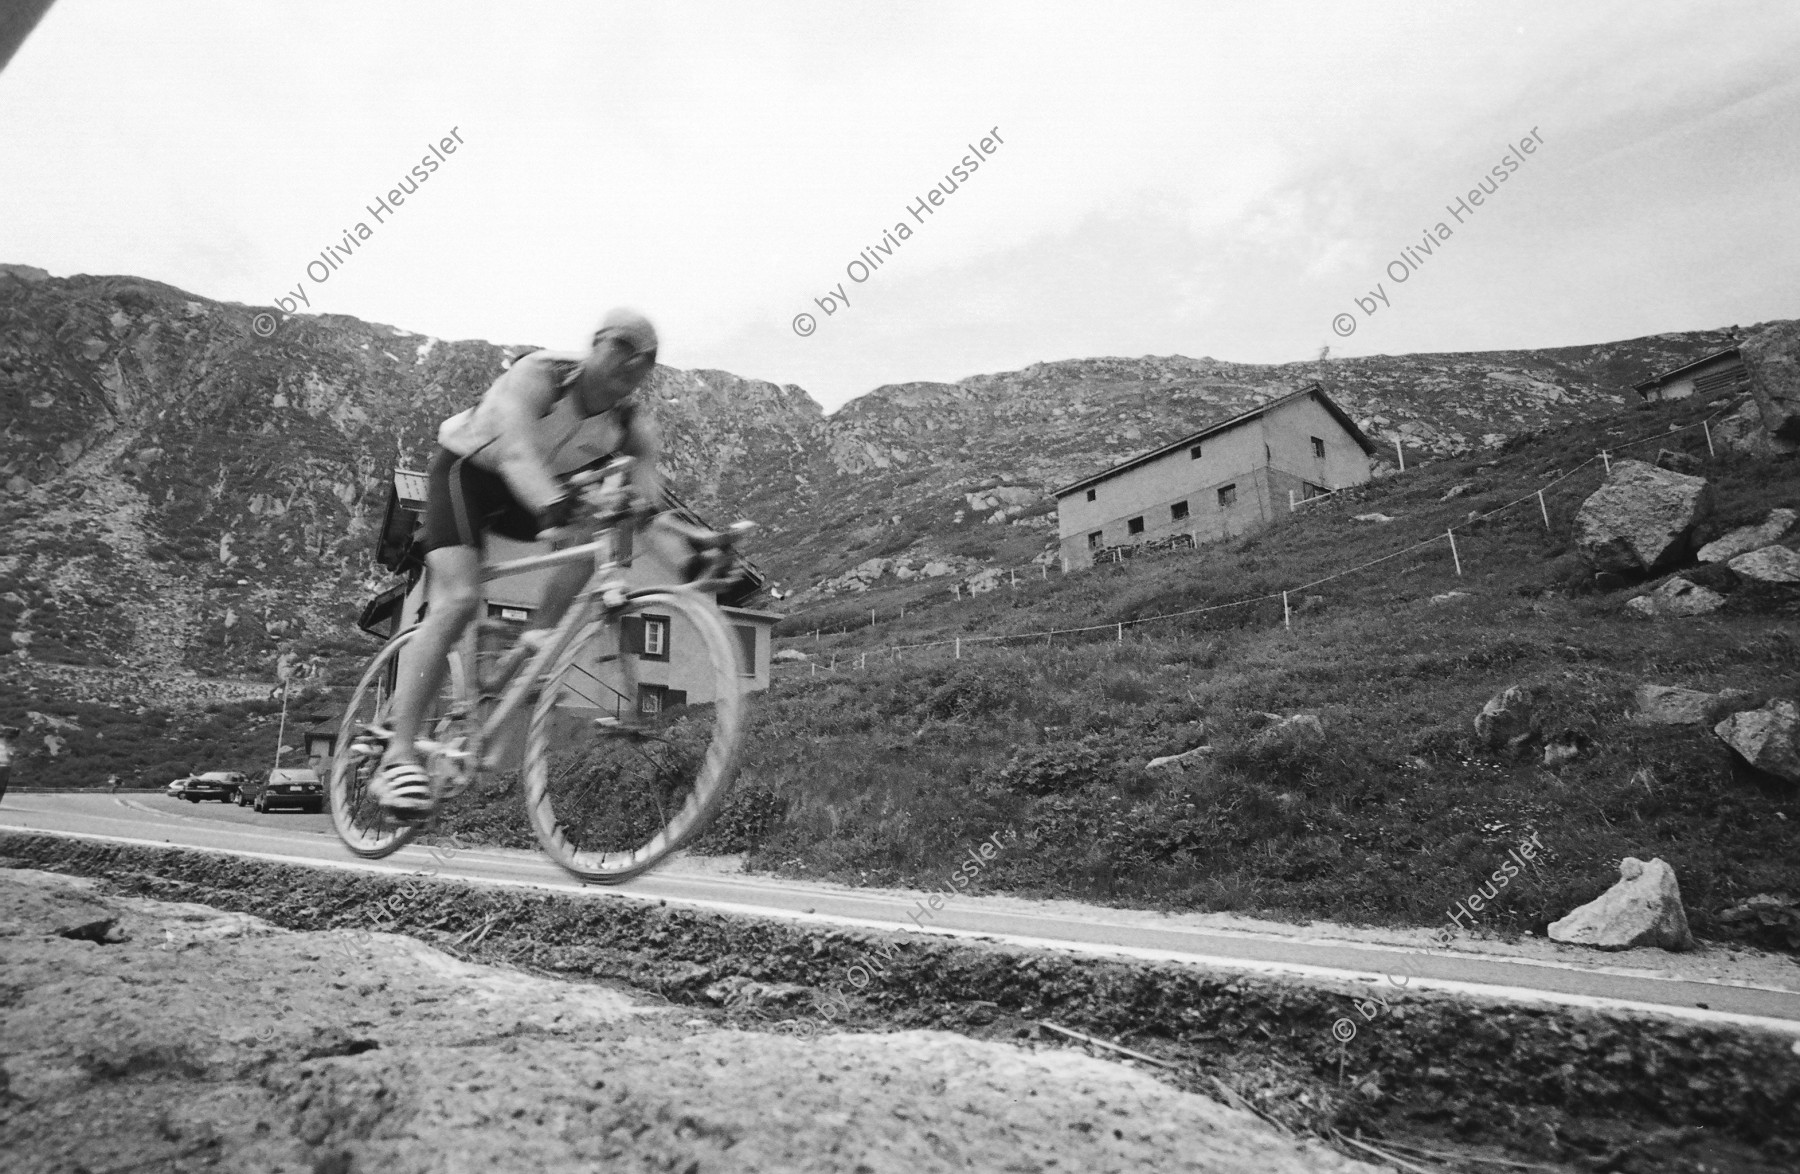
(406,864)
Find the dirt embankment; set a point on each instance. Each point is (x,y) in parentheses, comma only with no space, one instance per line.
(142,1035)
(1435,1072)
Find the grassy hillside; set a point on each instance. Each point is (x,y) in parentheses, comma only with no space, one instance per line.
(149,748)
(878,776)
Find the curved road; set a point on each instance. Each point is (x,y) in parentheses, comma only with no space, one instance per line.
(1572,979)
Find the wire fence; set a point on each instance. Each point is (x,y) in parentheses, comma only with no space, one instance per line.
(859,660)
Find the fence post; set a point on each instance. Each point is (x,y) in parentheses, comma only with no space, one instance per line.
(1121,632)
(1542,508)
(1606,459)
(863,661)
(1401,452)
(1709,445)
(815,668)
(871,617)
(1046,569)
(1287,617)
(1453,554)
(1015,577)
(959,648)
(1290,501)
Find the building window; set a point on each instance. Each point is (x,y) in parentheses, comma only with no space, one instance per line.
(1178,511)
(509,613)
(1318,448)
(1311,491)
(655,699)
(647,636)
(1091,495)
(1194,453)
(1135,526)
(1227,496)
(746,635)
(1094,540)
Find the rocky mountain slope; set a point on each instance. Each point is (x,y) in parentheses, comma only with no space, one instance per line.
(183,494)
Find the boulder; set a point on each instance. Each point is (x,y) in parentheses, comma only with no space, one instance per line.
(1772,357)
(1679,462)
(1677,597)
(1642,520)
(1643,909)
(1745,539)
(1772,565)
(1565,747)
(1742,432)
(1508,720)
(1289,733)
(1179,761)
(1671,705)
(1382,518)
(1767,738)
(790,656)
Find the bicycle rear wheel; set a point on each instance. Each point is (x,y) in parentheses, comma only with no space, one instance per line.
(362,738)
(620,772)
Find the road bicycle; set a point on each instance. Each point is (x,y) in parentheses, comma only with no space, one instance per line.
(617,777)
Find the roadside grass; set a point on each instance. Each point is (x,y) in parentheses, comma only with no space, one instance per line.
(881,775)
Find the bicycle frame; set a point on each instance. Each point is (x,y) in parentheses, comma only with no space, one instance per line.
(611,552)
(517,676)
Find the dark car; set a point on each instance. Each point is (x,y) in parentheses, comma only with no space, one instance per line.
(298,788)
(223,785)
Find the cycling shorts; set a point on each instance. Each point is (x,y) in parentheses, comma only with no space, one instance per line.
(463,502)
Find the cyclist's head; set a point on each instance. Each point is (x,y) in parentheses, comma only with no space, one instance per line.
(622,357)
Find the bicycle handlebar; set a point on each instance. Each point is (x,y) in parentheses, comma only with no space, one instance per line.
(712,548)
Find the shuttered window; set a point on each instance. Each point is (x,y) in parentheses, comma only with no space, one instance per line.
(647,636)
(746,634)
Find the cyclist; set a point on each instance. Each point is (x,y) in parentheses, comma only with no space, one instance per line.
(7,734)
(498,469)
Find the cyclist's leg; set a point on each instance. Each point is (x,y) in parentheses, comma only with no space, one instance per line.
(453,599)
(455,511)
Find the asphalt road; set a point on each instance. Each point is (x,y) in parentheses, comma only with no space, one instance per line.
(1591,979)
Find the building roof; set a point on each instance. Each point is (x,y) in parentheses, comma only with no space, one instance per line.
(382,608)
(753,612)
(1730,352)
(1192,438)
(411,488)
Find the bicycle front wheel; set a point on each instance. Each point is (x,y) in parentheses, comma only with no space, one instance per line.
(635,738)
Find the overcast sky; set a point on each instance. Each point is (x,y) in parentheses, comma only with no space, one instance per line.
(1213,179)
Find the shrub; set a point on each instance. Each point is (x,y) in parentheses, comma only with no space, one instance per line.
(974,690)
(1056,769)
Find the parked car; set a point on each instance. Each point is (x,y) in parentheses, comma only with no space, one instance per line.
(287,786)
(222,785)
